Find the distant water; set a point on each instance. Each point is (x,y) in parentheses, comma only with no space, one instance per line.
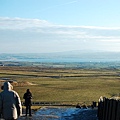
(58,60)
(75,56)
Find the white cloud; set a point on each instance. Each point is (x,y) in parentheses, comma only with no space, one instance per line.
(112,40)
(21,23)
(34,35)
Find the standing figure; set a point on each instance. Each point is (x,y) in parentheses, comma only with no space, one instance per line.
(28,96)
(10,103)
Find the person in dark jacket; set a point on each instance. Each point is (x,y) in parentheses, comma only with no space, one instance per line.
(10,103)
(28,96)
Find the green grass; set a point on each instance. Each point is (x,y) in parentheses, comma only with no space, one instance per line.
(70,86)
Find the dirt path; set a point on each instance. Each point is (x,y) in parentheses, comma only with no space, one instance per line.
(51,113)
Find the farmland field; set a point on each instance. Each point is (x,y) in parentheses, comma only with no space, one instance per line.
(63,85)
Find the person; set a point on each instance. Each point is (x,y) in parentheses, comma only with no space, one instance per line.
(10,103)
(28,96)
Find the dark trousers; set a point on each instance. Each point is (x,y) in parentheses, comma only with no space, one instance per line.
(28,108)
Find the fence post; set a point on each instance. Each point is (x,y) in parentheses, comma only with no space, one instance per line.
(100,108)
(110,110)
(118,110)
(107,109)
(114,104)
(104,108)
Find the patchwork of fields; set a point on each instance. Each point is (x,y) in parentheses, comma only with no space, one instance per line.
(63,85)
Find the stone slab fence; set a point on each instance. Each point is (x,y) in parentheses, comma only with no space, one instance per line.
(108,109)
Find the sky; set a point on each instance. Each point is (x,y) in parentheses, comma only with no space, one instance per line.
(43,26)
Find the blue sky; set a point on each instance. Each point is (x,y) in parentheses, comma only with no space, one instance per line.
(35,26)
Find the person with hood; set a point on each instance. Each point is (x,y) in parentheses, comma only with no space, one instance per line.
(10,103)
(28,96)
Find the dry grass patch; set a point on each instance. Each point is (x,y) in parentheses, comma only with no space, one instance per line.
(70,85)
